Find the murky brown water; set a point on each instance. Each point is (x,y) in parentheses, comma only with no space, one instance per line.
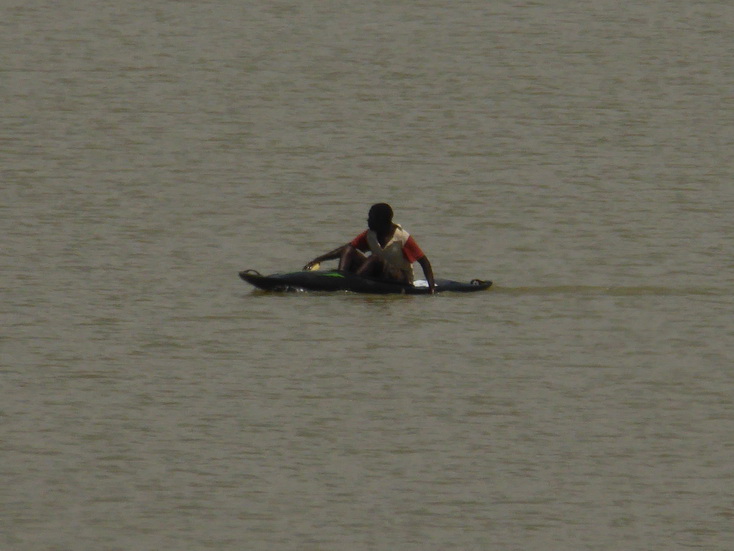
(577,155)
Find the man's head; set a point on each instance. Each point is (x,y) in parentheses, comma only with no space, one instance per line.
(380,217)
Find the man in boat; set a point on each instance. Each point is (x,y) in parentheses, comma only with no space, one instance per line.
(393,251)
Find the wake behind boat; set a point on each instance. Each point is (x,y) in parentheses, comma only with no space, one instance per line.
(336,280)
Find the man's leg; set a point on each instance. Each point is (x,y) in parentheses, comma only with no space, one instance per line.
(351,260)
(373,266)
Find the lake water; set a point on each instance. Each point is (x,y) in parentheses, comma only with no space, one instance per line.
(578,154)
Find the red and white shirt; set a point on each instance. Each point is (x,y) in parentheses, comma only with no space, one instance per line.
(398,254)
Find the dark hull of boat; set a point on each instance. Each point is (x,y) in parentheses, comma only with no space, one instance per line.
(334,280)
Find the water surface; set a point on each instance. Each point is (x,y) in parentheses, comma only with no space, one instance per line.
(577,155)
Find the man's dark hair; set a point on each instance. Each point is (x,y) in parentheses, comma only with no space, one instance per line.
(381,213)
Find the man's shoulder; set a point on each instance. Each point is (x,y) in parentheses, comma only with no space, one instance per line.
(360,240)
(401,233)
